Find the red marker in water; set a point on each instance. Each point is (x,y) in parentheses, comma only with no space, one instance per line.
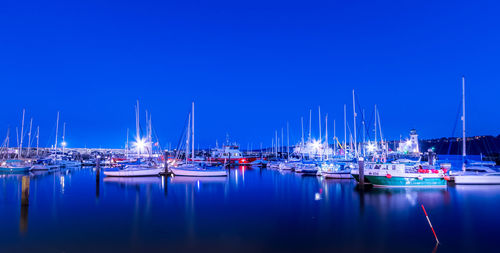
(426,216)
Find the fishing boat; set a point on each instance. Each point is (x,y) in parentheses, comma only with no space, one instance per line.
(401,175)
(15,166)
(142,170)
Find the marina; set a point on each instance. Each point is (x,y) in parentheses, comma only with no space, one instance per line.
(249,126)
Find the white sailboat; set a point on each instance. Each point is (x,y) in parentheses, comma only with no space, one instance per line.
(473,175)
(149,168)
(190,169)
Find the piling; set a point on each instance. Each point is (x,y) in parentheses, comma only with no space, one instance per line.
(362,185)
(165,156)
(97,176)
(25,191)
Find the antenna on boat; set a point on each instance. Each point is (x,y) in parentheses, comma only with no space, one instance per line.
(287,141)
(37,138)
(326,136)
(310,120)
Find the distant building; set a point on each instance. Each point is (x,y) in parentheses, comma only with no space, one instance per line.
(410,145)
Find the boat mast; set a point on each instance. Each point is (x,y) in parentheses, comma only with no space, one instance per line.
(22,134)
(287,141)
(326,135)
(192,132)
(187,137)
(334,139)
(310,120)
(64,133)
(354,119)
(281,148)
(345,133)
(375,125)
(276,142)
(137,127)
(57,130)
(37,138)
(126,145)
(364,130)
(302,125)
(29,137)
(464,150)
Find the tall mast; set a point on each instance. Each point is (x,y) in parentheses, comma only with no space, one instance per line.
(319,124)
(276,142)
(464,150)
(334,139)
(287,141)
(192,132)
(37,138)
(310,120)
(326,135)
(187,137)
(57,130)
(375,123)
(22,135)
(126,145)
(302,124)
(29,137)
(345,132)
(137,124)
(354,118)
(364,130)
(64,133)
(281,148)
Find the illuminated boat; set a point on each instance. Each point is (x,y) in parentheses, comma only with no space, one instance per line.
(335,171)
(192,170)
(45,164)
(15,166)
(477,175)
(231,153)
(134,171)
(400,175)
(307,168)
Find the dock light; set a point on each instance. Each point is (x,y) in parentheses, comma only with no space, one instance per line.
(63,144)
(316,144)
(370,147)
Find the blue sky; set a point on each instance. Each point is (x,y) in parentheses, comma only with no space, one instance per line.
(250,66)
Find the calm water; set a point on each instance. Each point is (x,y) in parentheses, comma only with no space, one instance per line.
(252,210)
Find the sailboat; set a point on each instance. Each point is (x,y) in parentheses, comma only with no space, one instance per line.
(148,168)
(189,168)
(475,175)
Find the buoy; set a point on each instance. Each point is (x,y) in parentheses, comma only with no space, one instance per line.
(388,175)
(447,178)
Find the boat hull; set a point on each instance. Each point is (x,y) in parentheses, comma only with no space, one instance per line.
(394,181)
(133,173)
(477,180)
(198,173)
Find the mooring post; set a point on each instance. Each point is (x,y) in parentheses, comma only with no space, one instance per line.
(361,168)
(25,191)
(97,175)
(165,156)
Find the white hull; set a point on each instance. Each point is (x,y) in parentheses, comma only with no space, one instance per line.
(194,172)
(134,172)
(337,175)
(44,167)
(477,179)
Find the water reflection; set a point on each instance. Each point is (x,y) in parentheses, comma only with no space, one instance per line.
(247,209)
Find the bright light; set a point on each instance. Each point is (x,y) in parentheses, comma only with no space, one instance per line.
(140,144)
(63,144)
(316,144)
(370,147)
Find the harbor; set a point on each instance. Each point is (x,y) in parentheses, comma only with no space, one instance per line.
(249,126)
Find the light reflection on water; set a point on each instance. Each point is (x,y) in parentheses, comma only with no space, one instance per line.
(252,209)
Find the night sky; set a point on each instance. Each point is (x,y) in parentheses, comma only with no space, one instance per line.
(250,66)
